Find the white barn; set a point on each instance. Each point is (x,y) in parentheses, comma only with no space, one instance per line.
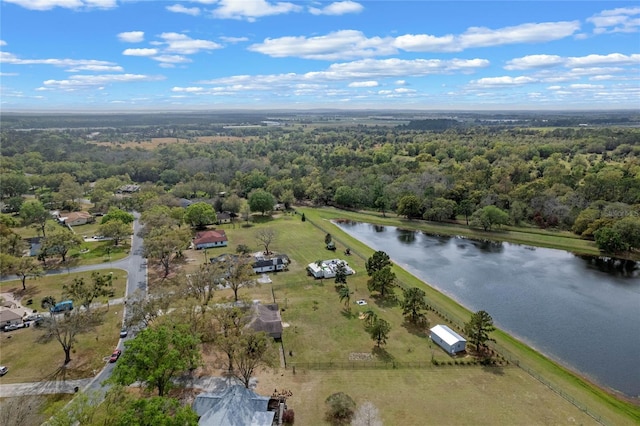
(448,339)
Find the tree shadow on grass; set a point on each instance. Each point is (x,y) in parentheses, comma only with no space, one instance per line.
(496,370)
(388,301)
(261,219)
(381,354)
(419,329)
(348,314)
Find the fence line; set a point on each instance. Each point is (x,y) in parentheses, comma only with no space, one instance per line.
(440,311)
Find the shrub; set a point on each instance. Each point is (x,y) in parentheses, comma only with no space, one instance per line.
(288,417)
(340,408)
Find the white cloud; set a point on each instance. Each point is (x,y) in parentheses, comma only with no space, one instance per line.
(345,44)
(79,82)
(624,20)
(131,36)
(483,37)
(534,61)
(66,4)
(178,8)
(140,52)
(234,39)
(69,64)
(338,8)
(96,68)
(171,59)
(251,9)
(400,82)
(3,43)
(184,45)
(598,60)
(370,83)
(503,81)
(188,89)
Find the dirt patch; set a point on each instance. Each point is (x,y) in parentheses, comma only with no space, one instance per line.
(360,356)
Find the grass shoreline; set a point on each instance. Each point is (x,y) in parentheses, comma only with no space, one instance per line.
(571,385)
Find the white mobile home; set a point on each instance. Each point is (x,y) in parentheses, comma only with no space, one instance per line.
(448,339)
(328,268)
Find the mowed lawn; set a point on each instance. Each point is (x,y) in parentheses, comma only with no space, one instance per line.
(441,396)
(318,329)
(31,361)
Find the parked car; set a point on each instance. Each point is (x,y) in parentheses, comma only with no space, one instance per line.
(33,317)
(115,355)
(123,332)
(3,370)
(12,327)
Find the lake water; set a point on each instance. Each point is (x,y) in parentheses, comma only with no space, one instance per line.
(579,311)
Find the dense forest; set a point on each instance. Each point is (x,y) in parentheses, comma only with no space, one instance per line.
(488,171)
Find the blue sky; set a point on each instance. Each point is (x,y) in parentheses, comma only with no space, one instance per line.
(94,55)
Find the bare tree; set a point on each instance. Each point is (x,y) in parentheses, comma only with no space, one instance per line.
(21,411)
(366,415)
(144,310)
(253,350)
(64,328)
(265,237)
(237,272)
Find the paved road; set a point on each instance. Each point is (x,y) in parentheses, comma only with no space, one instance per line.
(136,266)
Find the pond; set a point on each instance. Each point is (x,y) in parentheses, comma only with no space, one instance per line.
(581,311)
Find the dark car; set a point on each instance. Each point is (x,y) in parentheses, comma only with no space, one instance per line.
(115,355)
(123,332)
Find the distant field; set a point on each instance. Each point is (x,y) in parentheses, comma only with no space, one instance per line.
(154,143)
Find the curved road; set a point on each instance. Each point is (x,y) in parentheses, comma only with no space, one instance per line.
(136,266)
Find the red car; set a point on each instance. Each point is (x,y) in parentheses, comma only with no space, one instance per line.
(115,355)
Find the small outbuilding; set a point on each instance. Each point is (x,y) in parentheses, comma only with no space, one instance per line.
(448,339)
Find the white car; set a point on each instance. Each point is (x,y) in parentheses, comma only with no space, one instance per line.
(361,302)
(3,370)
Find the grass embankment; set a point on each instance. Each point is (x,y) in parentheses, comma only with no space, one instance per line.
(320,331)
(31,361)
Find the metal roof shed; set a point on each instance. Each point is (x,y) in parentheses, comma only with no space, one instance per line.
(448,339)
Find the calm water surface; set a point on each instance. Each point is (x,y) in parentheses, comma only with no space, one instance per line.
(574,309)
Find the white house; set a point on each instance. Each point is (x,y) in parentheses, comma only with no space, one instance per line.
(327,268)
(448,339)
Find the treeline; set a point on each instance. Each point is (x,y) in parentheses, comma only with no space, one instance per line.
(580,179)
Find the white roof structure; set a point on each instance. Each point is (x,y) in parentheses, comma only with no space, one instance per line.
(448,335)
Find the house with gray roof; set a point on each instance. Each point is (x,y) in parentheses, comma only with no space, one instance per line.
(234,406)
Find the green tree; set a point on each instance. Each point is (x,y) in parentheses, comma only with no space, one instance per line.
(489,216)
(199,215)
(115,214)
(413,304)
(440,209)
(327,239)
(341,274)
(26,267)
(261,201)
(165,244)
(478,329)
(340,408)
(156,411)
(13,185)
(156,356)
(409,206)
(33,212)
(610,240)
(60,243)
(69,190)
(344,292)
(377,261)
(379,331)
(83,294)
(116,230)
(382,281)
(629,229)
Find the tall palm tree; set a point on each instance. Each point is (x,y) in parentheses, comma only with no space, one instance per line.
(345,296)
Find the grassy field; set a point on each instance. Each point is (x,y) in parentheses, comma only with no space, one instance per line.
(51,285)
(320,330)
(31,361)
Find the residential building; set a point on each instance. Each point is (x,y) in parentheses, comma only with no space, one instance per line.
(210,239)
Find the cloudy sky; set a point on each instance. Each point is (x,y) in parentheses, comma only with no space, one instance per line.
(216,54)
